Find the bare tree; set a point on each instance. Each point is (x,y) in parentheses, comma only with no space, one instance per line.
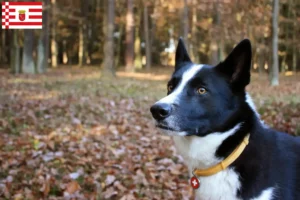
(54,50)
(129,52)
(214,48)
(27,60)
(137,41)
(109,68)
(81,43)
(194,40)
(275,64)
(1,45)
(295,29)
(186,23)
(147,37)
(43,43)
(15,53)
(3,56)
(82,51)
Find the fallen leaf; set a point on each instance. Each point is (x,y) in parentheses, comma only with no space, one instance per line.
(110,192)
(72,187)
(109,179)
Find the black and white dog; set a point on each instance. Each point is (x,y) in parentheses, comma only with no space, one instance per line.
(209,113)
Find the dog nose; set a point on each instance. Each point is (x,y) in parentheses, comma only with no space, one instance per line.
(160,111)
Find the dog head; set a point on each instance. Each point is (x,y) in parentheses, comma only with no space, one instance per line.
(203,99)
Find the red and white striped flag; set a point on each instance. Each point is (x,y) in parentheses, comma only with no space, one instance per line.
(22,15)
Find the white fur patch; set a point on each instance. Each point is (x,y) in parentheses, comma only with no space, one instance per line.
(265,195)
(251,104)
(221,186)
(253,107)
(186,77)
(199,152)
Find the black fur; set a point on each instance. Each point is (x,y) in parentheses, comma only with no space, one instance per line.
(272,158)
(182,57)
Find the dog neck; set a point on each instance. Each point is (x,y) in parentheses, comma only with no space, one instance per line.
(200,152)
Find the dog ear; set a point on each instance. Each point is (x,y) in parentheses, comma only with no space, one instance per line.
(237,65)
(182,55)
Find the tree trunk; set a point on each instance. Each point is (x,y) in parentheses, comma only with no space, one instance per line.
(260,61)
(3,53)
(81,49)
(186,24)
(153,21)
(147,38)
(214,52)
(137,49)
(194,39)
(294,51)
(104,6)
(221,53)
(43,43)
(137,42)
(129,53)
(284,65)
(27,61)
(109,68)
(54,51)
(65,58)
(214,48)
(15,53)
(295,26)
(275,64)
(1,46)
(12,51)
(119,45)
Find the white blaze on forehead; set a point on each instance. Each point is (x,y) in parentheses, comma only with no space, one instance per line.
(186,77)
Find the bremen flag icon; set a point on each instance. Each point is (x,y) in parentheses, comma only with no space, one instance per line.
(22,15)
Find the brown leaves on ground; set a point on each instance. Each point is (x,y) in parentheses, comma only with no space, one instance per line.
(70,135)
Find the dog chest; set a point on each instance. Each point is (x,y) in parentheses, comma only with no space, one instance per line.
(221,186)
(196,153)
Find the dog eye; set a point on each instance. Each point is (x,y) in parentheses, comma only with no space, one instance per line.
(201,90)
(170,88)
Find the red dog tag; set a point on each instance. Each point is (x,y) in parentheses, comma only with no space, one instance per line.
(194,182)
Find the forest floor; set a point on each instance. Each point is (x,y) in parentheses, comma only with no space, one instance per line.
(69,133)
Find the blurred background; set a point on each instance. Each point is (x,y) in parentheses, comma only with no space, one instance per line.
(138,34)
(75,96)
